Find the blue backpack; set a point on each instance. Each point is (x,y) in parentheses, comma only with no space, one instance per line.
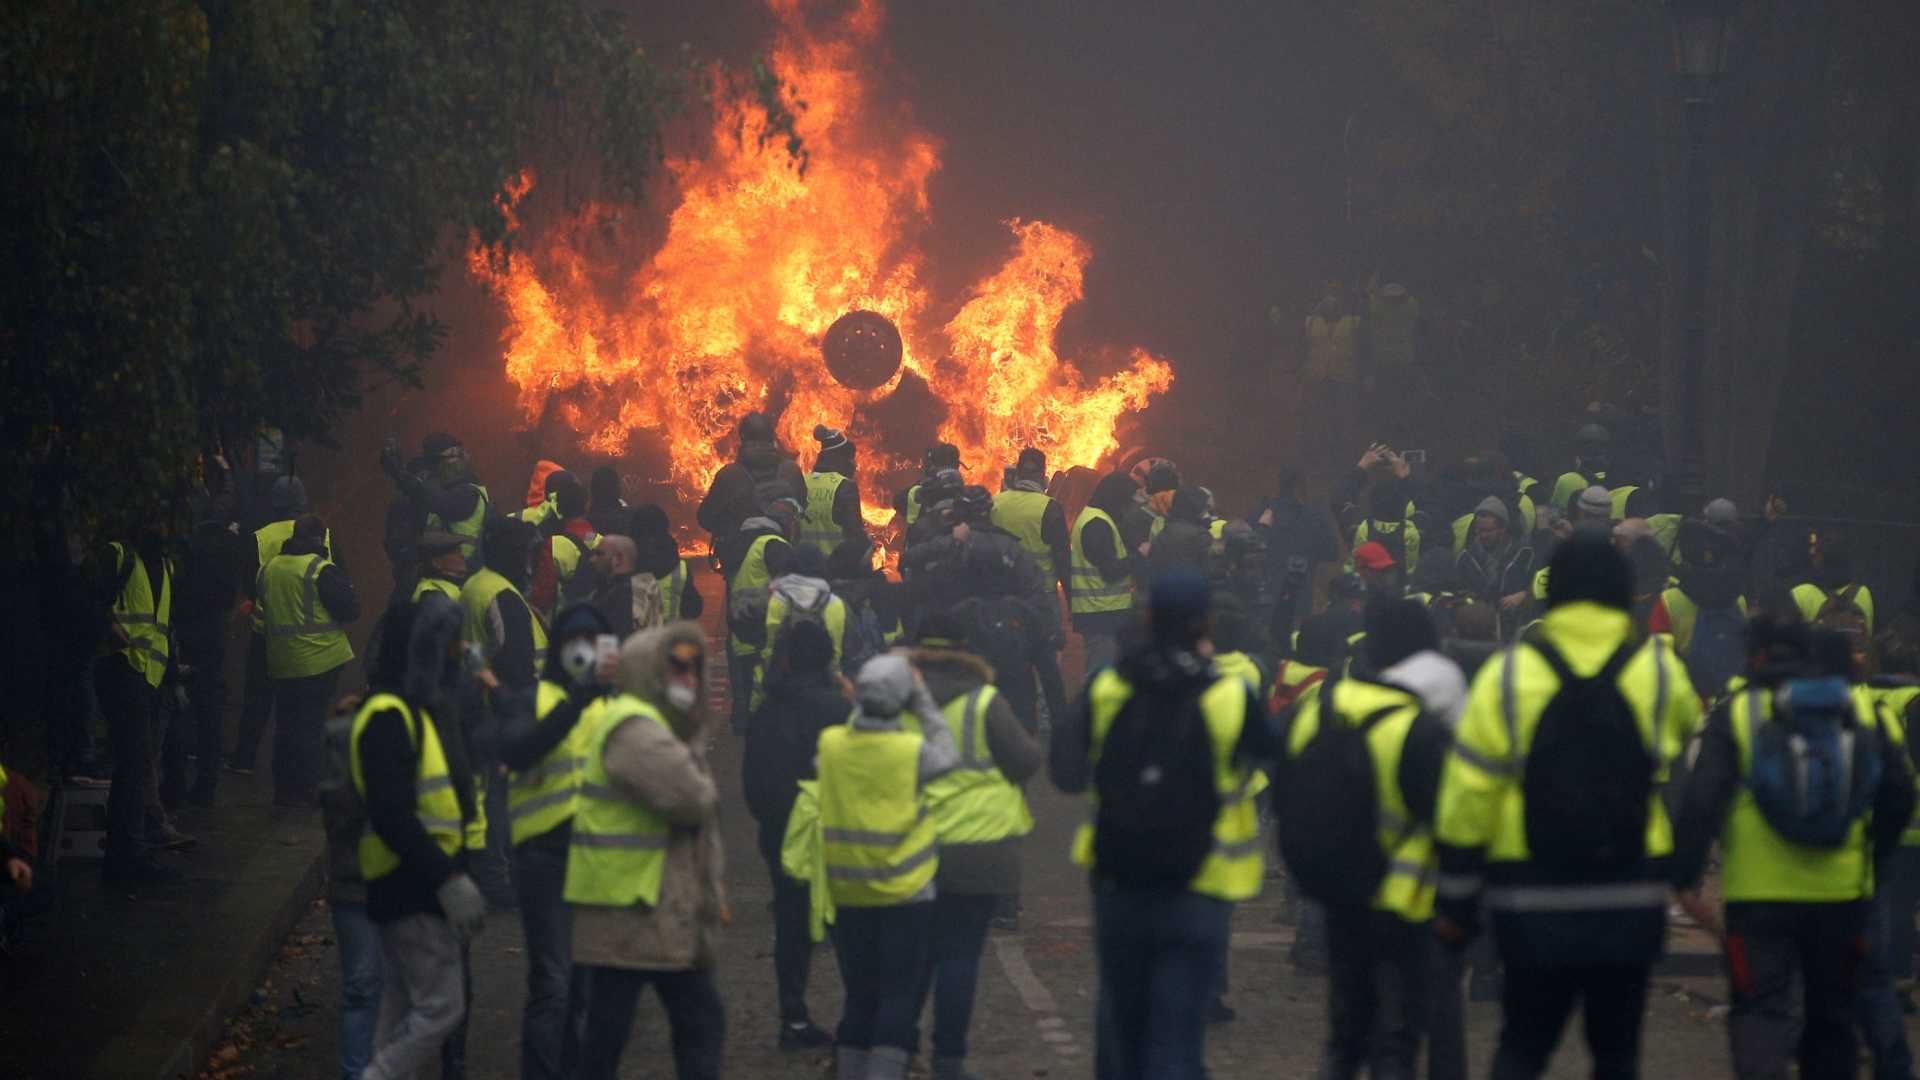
(1815,768)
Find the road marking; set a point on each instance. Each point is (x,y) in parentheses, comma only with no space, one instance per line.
(1039,1000)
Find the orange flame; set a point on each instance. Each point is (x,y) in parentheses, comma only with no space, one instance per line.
(726,316)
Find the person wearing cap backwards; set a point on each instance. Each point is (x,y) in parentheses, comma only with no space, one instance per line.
(880,845)
(304,603)
(907,503)
(543,749)
(1377,570)
(833,498)
(1589,467)
(981,818)
(1497,567)
(288,499)
(1557,827)
(1164,884)
(746,486)
(454,498)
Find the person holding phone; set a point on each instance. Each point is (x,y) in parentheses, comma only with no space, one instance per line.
(541,749)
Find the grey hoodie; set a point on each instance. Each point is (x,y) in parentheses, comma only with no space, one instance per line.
(802,593)
(1435,680)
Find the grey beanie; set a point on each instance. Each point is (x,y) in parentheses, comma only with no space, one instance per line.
(1722,512)
(1492,505)
(1596,500)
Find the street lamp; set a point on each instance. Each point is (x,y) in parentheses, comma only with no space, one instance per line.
(1702,47)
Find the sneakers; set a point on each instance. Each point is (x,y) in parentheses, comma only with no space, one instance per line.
(803,1035)
(134,873)
(165,835)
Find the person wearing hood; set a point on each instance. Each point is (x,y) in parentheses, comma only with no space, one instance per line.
(880,846)
(645,871)
(762,552)
(1573,929)
(742,488)
(304,604)
(1184,540)
(606,510)
(454,499)
(287,500)
(540,487)
(542,753)
(832,514)
(1497,567)
(1100,572)
(415,784)
(799,595)
(982,820)
(803,698)
(1161,942)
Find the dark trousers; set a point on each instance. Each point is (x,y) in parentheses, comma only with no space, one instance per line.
(1447,1013)
(1016,684)
(256,704)
(740,672)
(1053,685)
(174,735)
(955,942)
(1377,994)
(792,935)
(882,952)
(1899,882)
(1882,1024)
(299,736)
(128,704)
(207,697)
(453,1052)
(1537,1003)
(547,1048)
(1159,955)
(695,1014)
(1770,948)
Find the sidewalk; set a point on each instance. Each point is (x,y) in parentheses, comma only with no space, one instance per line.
(113,985)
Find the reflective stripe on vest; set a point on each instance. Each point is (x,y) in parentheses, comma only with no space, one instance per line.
(619,848)
(435,802)
(878,838)
(974,803)
(1234,870)
(1756,863)
(268,539)
(477,598)
(1089,591)
(147,622)
(1023,513)
(302,637)
(673,590)
(542,798)
(817,526)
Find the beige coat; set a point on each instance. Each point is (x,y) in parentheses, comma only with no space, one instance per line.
(669,773)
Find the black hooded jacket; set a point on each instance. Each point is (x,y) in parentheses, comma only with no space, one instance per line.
(526,739)
(733,497)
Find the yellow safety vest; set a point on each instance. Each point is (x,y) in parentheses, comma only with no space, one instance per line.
(1090,592)
(877,831)
(913,504)
(1239,663)
(833,619)
(268,539)
(1810,598)
(1756,863)
(1620,495)
(147,623)
(467,528)
(566,554)
(1235,868)
(1412,868)
(1682,613)
(1482,806)
(1022,513)
(673,588)
(817,526)
(435,803)
(1666,533)
(477,597)
(542,799)
(619,850)
(1895,701)
(302,637)
(1410,549)
(448,589)
(974,803)
(1571,484)
(751,575)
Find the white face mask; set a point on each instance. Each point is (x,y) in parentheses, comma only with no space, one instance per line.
(580,659)
(681,696)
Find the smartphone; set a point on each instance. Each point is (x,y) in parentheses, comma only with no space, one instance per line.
(608,648)
(1414,457)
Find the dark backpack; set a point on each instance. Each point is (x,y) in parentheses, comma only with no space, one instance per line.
(1155,782)
(1328,810)
(1718,649)
(1589,772)
(1842,614)
(1814,769)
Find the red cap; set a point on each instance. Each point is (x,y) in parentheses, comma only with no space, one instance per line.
(1372,555)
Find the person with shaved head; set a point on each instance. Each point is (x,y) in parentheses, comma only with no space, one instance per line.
(645,582)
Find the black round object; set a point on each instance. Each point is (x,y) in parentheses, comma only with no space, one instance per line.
(862,349)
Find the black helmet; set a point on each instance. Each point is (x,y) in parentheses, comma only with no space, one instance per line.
(972,503)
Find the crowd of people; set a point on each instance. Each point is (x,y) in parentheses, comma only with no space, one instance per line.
(1498,724)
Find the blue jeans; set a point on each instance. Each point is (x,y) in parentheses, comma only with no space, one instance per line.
(1160,952)
(882,952)
(546,1026)
(955,942)
(1881,1022)
(361,974)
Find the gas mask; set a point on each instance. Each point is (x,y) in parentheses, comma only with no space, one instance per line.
(580,659)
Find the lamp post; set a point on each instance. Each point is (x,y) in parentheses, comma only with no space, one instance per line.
(1702,32)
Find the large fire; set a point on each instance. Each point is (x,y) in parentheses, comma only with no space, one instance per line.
(727,314)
